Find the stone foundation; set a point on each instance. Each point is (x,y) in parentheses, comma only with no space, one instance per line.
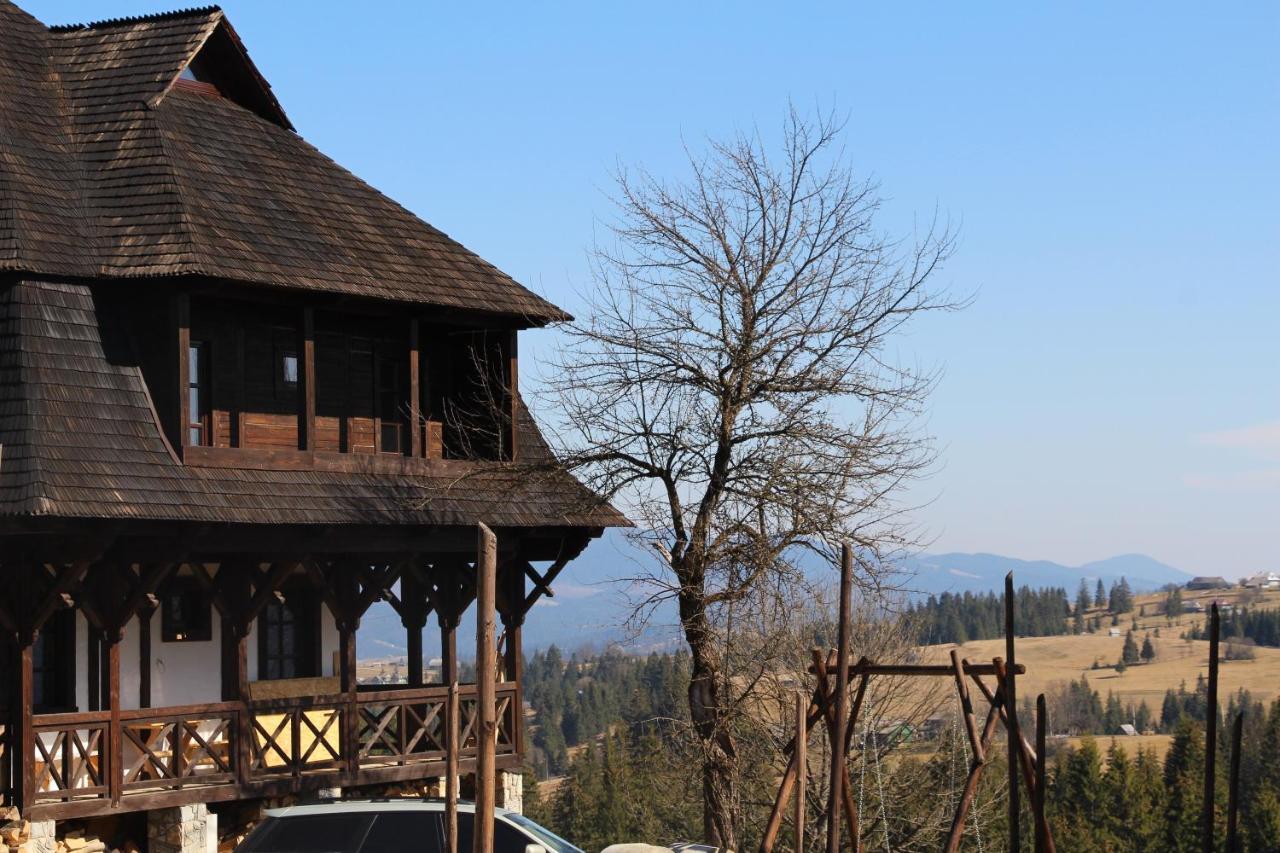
(42,836)
(510,791)
(185,829)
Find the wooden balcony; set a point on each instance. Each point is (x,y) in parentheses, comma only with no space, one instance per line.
(97,763)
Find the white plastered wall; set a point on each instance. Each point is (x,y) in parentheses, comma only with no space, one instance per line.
(187,673)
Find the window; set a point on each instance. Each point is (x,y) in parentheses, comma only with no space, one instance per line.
(198,393)
(506,838)
(392,830)
(289,635)
(332,833)
(284,344)
(391,404)
(184,611)
(53,659)
(289,369)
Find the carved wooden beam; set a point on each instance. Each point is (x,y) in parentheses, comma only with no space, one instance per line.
(266,586)
(56,597)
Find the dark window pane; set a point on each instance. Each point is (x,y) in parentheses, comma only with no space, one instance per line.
(394,832)
(506,838)
(340,833)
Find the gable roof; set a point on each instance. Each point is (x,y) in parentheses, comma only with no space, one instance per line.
(109,167)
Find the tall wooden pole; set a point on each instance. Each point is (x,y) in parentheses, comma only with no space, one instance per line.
(802,738)
(838,732)
(486,694)
(451,771)
(1210,736)
(1233,790)
(1011,710)
(1043,842)
(448,618)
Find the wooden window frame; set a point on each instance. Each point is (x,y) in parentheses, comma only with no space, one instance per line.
(173,630)
(199,427)
(311,631)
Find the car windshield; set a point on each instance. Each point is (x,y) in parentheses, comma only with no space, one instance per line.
(548,839)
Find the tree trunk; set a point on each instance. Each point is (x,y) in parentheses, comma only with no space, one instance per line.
(711,724)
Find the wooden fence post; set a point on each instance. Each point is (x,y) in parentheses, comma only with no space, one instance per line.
(802,737)
(1210,736)
(838,731)
(486,695)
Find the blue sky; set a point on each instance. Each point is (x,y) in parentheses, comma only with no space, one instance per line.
(1115,169)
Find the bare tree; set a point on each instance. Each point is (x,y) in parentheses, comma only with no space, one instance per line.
(732,389)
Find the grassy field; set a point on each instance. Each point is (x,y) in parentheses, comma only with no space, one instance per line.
(1055,659)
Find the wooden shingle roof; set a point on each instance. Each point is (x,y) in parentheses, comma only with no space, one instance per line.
(80,440)
(110,168)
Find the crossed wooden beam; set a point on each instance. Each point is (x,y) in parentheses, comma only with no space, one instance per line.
(822,708)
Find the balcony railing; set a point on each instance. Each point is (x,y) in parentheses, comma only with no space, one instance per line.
(230,750)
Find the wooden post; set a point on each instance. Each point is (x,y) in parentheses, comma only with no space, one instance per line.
(115,773)
(181,309)
(1044,842)
(307,380)
(975,773)
(347,671)
(414,643)
(816,712)
(94,673)
(802,738)
(486,695)
(512,614)
(413,615)
(144,655)
(1011,711)
(1210,736)
(415,392)
(838,753)
(244,721)
(1233,786)
(513,392)
(22,763)
(451,770)
(966,706)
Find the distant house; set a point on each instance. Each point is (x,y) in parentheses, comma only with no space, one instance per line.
(1115,632)
(1262,580)
(1128,729)
(1207,583)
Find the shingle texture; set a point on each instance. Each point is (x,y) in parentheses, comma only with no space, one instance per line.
(80,440)
(107,168)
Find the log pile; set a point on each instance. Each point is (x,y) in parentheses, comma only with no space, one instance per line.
(15,837)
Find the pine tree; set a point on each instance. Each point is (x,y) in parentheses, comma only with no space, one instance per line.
(1100,595)
(1147,798)
(1148,650)
(1262,820)
(1130,653)
(1078,795)
(1183,776)
(1117,795)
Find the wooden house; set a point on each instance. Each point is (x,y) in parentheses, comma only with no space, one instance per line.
(243,397)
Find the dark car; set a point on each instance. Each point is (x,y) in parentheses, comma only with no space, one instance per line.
(390,826)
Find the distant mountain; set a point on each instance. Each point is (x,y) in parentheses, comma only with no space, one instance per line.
(938,573)
(591,603)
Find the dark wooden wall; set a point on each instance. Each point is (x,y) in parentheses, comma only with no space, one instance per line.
(381,384)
